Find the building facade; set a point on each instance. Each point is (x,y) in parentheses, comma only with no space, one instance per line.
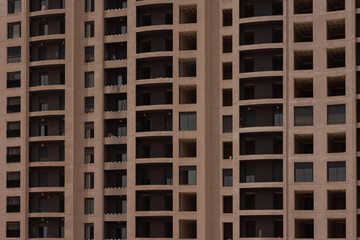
(179,119)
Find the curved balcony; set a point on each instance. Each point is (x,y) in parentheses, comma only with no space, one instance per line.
(115,179)
(153,121)
(39,152)
(155,14)
(46,177)
(154,147)
(261,143)
(115,153)
(115,205)
(45,78)
(115,51)
(114,230)
(154,201)
(49,227)
(115,4)
(47,101)
(154,94)
(151,68)
(49,202)
(47,51)
(47,126)
(154,174)
(261,60)
(261,116)
(259,8)
(261,32)
(154,41)
(47,26)
(115,128)
(252,88)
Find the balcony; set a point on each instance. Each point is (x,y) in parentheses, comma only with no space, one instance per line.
(115,102)
(43,26)
(261,143)
(46,228)
(154,41)
(115,230)
(49,50)
(39,151)
(253,88)
(46,5)
(156,14)
(261,116)
(260,33)
(253,198)
(45,76)
(115,153)
(154,174)
(49,101)
(154,227)
(259,8)
(154,147)
(115,4)
(152,121)
(258,171)
(261,226)
(115,77)
(150,68)
(115,26)
(46,177)
(115,128)
(115,179)
(115,205)
(154,201)
(154,94)
(261,60)
(49,202)
(115,51)
(49,126)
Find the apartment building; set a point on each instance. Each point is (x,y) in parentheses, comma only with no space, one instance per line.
(179,119)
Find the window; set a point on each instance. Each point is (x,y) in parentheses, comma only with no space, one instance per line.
(89,130)
(13,229)
(43,28)
(43,104)
(43,153)
(187,121)
(13,179)
(303,116)
(13,204)
(14,54)
(89,104)
(43,79)
(13,105)
(13,129)
(336,114)
(89,29)
(13,154)
(89,181)
(89,5)
(187,175)
(89,155)
(89,54)
(13,79)
(227,124)
(14,6)
(89,206)
(336,171)
(89,231)
(303,172)
(14,30)
(227,177)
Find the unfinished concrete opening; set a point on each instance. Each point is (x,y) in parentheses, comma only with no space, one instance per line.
(187,94)
(336,199)
(335,29)
(303,6)
(271,143)
(336,142)
(336,114)
(154,14)
(303,32)
(187,202)
(154,227)
(304,144)
(335,5)
(228,231)
(188,14)
(336,228)
(303,60)
(187,41)
(227,150)
(304,228)
(303,88)
(227,44)
(227,97)
(336,86)
(227,204)
(227,71)
(304,200)
(187,148)
(227,17)
(336,57)
(187,229)
(187,67)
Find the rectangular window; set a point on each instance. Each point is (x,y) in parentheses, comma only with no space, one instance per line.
(13,204)
(89,5)
(336,114)
(13,105)
(43,29)
(13,54)
(336,171)
(89,231)
(89,130)
(227,177)
(43,78)
(303,172)
(187,175)
(13,79)
(249,173)
(14,30)
(89,54)
(303,116)
(89,79)
(187,121)
(13,129)
(89,206)
(89,104)
(14,6)
(89,155)
(13,154)
(227,124)
(89,29)
(13,179)
(89,181)
(13,229)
